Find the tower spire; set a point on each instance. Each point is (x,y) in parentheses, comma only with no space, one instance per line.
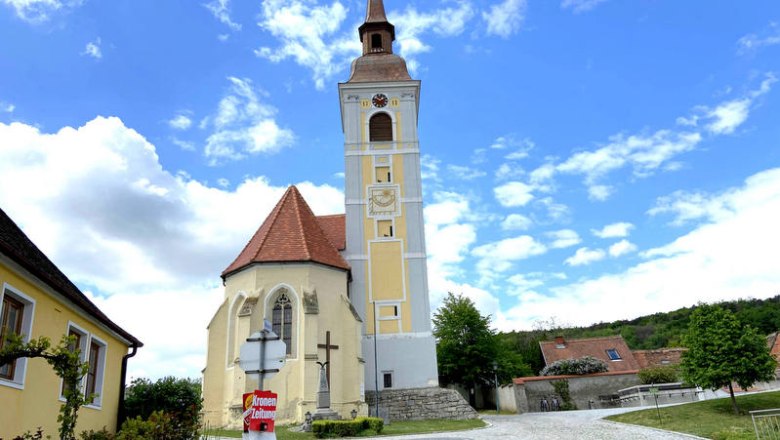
(376,34)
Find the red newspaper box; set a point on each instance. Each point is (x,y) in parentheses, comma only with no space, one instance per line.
(263,411)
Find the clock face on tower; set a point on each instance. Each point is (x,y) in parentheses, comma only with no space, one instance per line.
(379,100)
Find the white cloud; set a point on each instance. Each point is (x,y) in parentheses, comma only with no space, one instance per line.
(449,232)
(244,125)
(564,238)
(497,257)
(99,203)
(92,49)
(585,256)
(614,230)
(7,107)
(39,11)
(578,6)
(184,145)
(644,153)
(727,116)
(516,222)
(753,42)
(221,11)
(621,248)
(508,171)
(180,122)
(311,35)
(412,25)
(513,194)
(464,172)
(505,18)
(732,255)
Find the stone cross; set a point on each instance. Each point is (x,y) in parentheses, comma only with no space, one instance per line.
(328,347)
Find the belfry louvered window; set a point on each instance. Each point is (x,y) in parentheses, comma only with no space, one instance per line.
(380,128)
(282,320)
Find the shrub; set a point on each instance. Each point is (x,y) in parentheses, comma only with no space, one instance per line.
(579,366)
(346,428)
(662,374)
(159,426)
(178,399)
(103,434)
(38,435)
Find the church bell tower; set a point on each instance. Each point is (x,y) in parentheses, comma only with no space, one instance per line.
(384,212)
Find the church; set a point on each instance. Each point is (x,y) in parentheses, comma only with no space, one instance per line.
(349,289)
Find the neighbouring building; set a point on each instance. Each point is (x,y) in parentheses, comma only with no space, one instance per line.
(613,350)
(39,300)
(353,288)
(660,357)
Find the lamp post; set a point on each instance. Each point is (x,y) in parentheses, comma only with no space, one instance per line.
(495,379)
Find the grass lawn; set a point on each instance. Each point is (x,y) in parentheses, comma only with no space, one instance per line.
(395,428)
(713,419)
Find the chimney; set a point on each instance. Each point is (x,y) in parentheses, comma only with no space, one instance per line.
(560,342)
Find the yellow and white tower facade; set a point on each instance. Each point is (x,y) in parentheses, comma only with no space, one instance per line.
(385,240)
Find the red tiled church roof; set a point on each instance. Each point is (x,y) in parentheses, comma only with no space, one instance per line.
(596,347)
(292,233)
(335,228)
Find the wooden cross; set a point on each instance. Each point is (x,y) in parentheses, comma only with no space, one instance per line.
(328,347)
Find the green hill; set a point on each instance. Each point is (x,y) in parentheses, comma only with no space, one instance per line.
(658,330)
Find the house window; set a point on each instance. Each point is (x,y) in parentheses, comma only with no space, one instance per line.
(16,316)
(94,379)
(380,128)
(282,320)
(12,313)
(383,175)
(613,354)
(80,344)
(384,228)
(387,379)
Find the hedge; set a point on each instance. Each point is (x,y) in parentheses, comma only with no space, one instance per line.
(346,428)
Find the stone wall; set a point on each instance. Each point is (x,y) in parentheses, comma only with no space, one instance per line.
(421,404)
(587,392)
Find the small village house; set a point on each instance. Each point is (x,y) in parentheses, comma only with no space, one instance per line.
(39,300)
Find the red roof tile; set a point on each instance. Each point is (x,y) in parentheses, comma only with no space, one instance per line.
(291,233)
(335,228)
(659,357)
(596,347)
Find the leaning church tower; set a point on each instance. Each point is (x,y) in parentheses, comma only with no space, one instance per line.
(384,212)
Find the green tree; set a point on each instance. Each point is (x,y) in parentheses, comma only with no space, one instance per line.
(170,397)
(467,348)
(721,350)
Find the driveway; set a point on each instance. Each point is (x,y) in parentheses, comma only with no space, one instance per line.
(579,425)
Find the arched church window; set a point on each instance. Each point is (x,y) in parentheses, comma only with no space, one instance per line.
(282,320)
(380,128)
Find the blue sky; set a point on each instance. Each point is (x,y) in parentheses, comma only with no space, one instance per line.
(584,160)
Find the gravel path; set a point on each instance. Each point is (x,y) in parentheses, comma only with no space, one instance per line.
(579,425)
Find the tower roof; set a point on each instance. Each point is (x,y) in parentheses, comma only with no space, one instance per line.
(375,12)
(291,233)
(378,63)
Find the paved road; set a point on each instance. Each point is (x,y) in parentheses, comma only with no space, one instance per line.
(579,425)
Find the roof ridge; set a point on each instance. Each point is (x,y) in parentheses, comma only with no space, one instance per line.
(299,219)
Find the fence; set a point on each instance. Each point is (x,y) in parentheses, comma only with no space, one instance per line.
(767,424)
